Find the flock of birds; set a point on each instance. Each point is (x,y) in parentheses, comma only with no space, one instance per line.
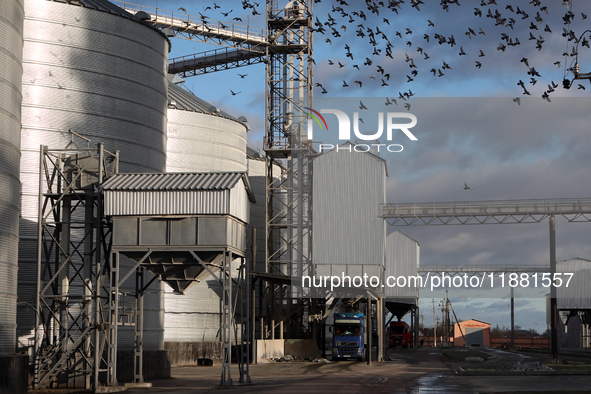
(377,23)
(383,41)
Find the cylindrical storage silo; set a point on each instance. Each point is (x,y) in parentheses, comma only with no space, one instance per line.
(11,44)
(99,71)
(201,138)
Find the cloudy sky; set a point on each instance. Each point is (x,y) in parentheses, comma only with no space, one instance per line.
(469,127)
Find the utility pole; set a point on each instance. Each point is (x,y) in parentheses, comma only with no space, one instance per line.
(434,324)
(553,306)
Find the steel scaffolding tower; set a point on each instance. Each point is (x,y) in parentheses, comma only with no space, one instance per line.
(71,324)
(288,194)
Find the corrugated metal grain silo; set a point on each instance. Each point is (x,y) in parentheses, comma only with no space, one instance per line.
(90,67)
(402,260)
(576,295)
(348,188)
(201,137)
(11,26)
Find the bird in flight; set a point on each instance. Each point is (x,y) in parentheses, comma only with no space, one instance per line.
(361,105)
(182,9)
(235,93)
(243,75)
(466,187)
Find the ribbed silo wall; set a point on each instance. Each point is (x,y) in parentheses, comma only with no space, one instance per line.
(402,260)
(199,142)
(348,188)
(101,75)
(577,273)
(11,45)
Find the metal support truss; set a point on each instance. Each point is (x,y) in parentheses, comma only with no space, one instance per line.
(496,212)
(201,28)
(122,313)
(486,212)
(288,204)
(70,327)
(212,61)
(479,271)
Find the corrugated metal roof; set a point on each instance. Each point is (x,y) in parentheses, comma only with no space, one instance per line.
(187,101)
(173,181)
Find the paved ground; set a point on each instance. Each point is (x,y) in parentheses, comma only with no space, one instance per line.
(410,371)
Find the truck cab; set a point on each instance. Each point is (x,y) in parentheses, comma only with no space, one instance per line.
(399,334)
(348,336)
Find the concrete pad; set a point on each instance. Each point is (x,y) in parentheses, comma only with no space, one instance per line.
(137,385)
(110,389)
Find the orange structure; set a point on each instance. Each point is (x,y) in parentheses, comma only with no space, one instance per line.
(475,333)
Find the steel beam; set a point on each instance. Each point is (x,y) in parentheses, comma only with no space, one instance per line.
(200,28)
(212,61)
(486,212)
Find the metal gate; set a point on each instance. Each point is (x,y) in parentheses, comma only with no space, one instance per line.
(474,336)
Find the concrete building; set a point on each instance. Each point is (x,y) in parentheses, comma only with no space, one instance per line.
(475,333)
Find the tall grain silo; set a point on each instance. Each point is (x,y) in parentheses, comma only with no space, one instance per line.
(11,44)
(95,69)
(348,188)
(201,138)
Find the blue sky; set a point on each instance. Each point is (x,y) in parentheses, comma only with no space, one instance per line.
(470,129)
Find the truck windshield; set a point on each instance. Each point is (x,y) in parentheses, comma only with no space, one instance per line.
(397,329)
(347,330)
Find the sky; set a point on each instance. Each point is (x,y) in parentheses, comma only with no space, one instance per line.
(470,126)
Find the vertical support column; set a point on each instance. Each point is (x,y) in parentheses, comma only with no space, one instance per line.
(412,325)
(262,329)
(138,374)
(368,328)
(282,307)
(512,317)
(245,314)
(113,319)
(38,307)
(98,267)
(434,325)
(227,316)
(553,306)
(415,333)
(250,279)
(64,274)
(380,327)
(89,223)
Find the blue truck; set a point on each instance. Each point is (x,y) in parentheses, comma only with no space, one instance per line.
(348,336)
